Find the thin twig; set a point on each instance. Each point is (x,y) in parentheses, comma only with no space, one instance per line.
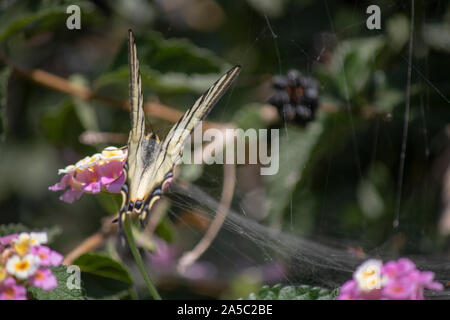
(95,137)
(92,242)
(229,182)
(401,168)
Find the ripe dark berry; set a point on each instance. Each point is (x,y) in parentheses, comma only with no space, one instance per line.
(296,97)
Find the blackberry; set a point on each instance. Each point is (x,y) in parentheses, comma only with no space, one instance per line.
(296,97)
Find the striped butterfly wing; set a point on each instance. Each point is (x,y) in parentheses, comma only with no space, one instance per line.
(174,141)
(150,163)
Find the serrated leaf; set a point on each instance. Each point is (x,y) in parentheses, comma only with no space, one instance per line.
(62,292)
(303,292)
(305,296)
(287,293)
(103,266)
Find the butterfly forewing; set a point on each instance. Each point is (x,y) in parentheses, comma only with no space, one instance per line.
(150,162)
(175,139)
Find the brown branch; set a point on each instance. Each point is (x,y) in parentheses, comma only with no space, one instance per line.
(92,242)
(60,84)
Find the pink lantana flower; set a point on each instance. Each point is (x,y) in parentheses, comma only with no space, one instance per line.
(111,176)
(10,290)
(399,289)
(102,171)
(44,279)
(47,256)
(395,280)
(24,262)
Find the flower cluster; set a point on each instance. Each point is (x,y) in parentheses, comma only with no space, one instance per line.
(295,96)
(24,262)
(102,171)
(394,280)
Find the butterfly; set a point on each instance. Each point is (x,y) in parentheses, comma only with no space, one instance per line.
(150,162)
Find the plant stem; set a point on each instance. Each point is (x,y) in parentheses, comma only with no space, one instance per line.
(138,259)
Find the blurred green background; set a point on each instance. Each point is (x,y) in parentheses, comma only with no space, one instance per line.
(339,175)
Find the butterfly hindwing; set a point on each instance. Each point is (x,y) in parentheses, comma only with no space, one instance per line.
(150,162)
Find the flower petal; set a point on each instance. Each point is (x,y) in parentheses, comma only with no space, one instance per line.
(116,185)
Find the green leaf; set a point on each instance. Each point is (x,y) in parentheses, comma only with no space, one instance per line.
(287,293)
(20,18)
(303,292)
(172,55)
(167,66)
(7,229)
(353,65)
(103,277)
(98,287)
(62,292)
(103,266)
(295,151)
(30,19)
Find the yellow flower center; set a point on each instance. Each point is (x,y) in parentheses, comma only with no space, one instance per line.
(22,265)
(22,247)
(368,273)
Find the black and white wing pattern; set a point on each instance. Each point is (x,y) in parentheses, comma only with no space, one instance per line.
(150,162)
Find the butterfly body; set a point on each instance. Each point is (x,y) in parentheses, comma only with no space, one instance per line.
(150,161)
